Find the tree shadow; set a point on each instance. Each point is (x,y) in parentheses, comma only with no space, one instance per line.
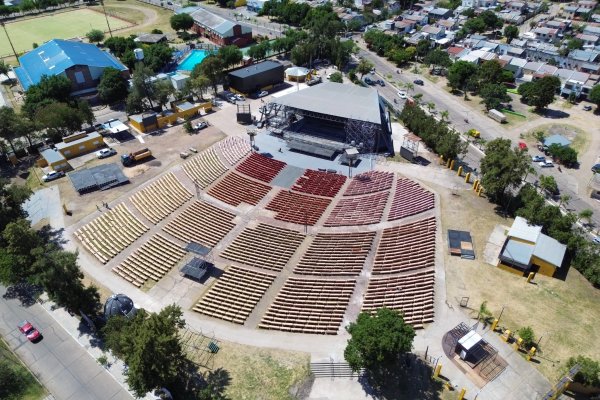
(54,236)
(25,292)
(554,114)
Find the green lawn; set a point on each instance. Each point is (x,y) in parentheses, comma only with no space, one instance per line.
(24,32)
(33,391)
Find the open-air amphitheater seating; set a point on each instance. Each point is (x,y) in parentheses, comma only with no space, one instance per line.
(205,168)
(260,167)
(309,306)
(410,198)
(370,182)
(234,189)
(264,246)
(406,247)
(234,148)
(235,294)
(336,254)
(298,208)
(319,183)
(412,294)
(364,210)
(159,199)
(110,233)
(201,223)
(151,261)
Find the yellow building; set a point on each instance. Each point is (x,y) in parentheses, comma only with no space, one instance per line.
(152,121)
(527,249)
(72,146)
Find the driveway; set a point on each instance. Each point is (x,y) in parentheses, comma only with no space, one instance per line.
(59,362)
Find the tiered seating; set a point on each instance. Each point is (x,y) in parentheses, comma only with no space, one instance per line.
(319,183)
(363,210)
(309,306)
(412,294)
(260,167)
(205,168)
(298,208)
(406,248)
(370,182)
(235,294)
(201,223)
(161,198)
(151,261)
(110,233)
(234,148)
(264,246)
(409,199)
(234,189)
(336,254)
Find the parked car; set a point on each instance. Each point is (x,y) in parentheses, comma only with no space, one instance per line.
(587,108)
(522,146)
(538,159)
(402,94)
(27,329)
(262,94)
(239,97)
(596,168)
(200,125)
(380,82)
(106,153)
(418,82)
(546,164)
(596,240)
(52,175)
(474,133)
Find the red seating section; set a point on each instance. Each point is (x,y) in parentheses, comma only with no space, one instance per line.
(363,210)
(234,189)
(411,294)
(410,199)
(336,254)
(309,306)
(319,183)
(298,208)
(406,247)
(260,167)
(370,182)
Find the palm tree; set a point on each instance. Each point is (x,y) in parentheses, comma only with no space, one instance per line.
(564,200)
(445,116)
(586,215)
(430,106)
(417,98)
(484,312)
(409,87)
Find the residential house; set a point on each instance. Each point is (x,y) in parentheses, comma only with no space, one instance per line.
(439,13)
(219,30)
(591,30)
(434,33)
(577,58)
(511,17)
(456,52)
(478,56)
(546,34)
(516,6)
(394,6)
(588,40)
(514,65)
(151,38)
(418,19)
(404,27)
(479,3)
(560,26)
(449,24)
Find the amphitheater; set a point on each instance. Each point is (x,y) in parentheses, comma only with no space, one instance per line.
(295,250)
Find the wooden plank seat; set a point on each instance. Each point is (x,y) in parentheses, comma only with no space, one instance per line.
(161,198)
(205,168)
(234,148)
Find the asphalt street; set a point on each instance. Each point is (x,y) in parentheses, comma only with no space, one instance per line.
(66,369)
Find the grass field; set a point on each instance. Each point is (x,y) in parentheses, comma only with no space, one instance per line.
(24,32)
(33,391)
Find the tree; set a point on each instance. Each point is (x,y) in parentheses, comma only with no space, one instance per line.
(511,32)
(575,44)
(502,168)
(484,313)
(491,20)
(564,200)
(112,87)
(59,119)
(162,92)
(476,24)
(12,198)
(589,373)
(95,36)
(548,184)
(157,56)
(196,86)
(438,57)
(230,55)
(594,95)
(493,95)
(4,68)
(336,77)
(459,75)
(212,68)
(364,67)
(13,380)
(586,215)
(377,342)
(54,88)
(17,256)
(9,120)
(141,94)
(540,93)
(181,22)
(565,154)
(528,337)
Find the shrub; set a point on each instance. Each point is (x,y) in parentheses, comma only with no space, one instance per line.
(589,374)
(528,337)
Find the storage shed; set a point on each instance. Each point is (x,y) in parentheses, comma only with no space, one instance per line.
(256,77)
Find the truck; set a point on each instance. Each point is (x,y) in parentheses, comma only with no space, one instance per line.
(132,158)
(497,116)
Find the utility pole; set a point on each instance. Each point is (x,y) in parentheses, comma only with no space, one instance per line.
(9,41)
(106,17)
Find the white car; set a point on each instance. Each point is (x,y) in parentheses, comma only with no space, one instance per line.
(105,153)
(239,97)
(402,94)
(538,159)
(546,164)
(52,175)
(262,94)
(201,125)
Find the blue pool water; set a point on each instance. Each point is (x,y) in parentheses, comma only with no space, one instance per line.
(191,60)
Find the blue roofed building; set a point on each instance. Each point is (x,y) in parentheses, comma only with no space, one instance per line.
(81,63)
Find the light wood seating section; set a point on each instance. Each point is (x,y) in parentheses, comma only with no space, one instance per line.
(205,168)
(336,254)
(260,167)
(151,261)
(410,198)
(411,294)
(161,198)
(309,306)
(364,210)
(234,189)
(264,246)
(319,183)
(370,182)
(235,294)
(201,223)
(298,208)
(406,248)
(234,148)
(110,233)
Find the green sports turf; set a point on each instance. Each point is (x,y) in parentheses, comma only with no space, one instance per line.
(23,33)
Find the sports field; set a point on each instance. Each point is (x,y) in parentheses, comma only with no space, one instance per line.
(23,33)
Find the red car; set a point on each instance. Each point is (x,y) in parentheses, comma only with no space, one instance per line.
(28,330)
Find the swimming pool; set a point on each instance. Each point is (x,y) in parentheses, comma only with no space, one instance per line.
(191,60)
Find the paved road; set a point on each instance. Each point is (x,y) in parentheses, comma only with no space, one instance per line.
(59,362)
